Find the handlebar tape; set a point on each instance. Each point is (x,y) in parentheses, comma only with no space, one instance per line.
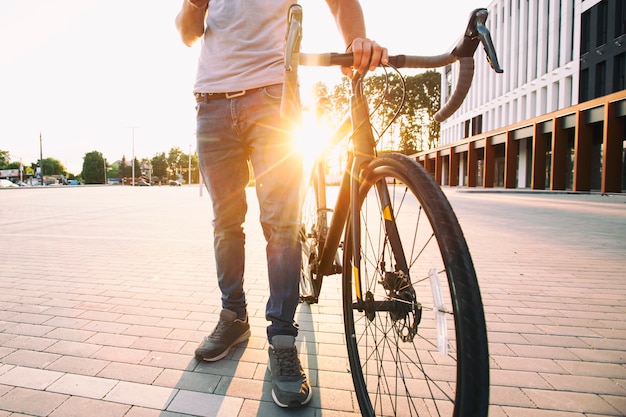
(398,61)
(466,73)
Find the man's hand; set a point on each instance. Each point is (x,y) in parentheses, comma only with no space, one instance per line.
(367,55)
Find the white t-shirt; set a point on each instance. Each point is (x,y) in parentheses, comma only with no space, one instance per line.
(243,45)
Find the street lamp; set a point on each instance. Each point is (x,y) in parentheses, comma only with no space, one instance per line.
(41,158)
(133,160)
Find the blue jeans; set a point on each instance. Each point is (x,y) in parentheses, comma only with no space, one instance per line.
(230,133)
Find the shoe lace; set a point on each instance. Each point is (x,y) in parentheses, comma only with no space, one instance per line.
(221,328)
(288,362)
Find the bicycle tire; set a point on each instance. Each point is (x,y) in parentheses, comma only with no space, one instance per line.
(400,366)
(312,226)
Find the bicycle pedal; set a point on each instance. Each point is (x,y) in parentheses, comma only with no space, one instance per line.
(310,299)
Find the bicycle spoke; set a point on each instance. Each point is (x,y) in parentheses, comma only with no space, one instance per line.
(403,350)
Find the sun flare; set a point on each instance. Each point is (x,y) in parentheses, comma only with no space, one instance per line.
(312,138)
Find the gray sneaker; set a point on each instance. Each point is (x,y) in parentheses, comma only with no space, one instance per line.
(229,332)
(290,387)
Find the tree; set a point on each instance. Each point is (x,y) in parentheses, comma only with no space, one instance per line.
(174,160)
(137,168)
(407,114)
(427,94)
(195,169)
(94,170)
(159,165)
(124,170)
(113,171)
(51,166)
(4,158)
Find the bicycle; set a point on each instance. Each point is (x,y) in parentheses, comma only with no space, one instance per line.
(403,254)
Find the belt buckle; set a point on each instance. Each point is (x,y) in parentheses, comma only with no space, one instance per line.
(235,94)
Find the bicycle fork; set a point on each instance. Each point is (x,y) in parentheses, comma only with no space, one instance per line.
(400,298)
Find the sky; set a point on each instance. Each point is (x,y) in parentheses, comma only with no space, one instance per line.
(113,76)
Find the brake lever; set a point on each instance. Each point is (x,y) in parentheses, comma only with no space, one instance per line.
(290,108)
(476,33)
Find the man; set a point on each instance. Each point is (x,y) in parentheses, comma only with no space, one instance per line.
(238,90)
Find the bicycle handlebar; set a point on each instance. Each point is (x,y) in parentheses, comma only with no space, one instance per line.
(475,33)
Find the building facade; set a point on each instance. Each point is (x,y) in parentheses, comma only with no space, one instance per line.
(555,118)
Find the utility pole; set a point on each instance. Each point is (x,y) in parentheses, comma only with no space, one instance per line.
(41,157)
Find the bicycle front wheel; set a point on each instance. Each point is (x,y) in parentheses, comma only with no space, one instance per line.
(416,336)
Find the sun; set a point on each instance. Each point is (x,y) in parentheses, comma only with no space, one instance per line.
(312,137)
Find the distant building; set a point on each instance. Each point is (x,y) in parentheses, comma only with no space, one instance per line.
(556,118)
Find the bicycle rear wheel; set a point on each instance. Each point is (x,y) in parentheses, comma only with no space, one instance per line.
(417,342)
(314,224)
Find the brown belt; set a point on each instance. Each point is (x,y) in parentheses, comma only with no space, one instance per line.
(216,96)
(200,97)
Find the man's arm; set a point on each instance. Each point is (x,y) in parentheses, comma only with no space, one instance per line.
(351,24)
(190,20)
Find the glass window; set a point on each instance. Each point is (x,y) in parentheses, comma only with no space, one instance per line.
(584,85)
(600,82)
(602,21)
(619,73)
(620,18)
(585,32)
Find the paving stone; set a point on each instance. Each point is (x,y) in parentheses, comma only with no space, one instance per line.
(190,381)
(116,354)
(243,388)
(147,331)
(617,402)
(169,360)
(77,365)
(82,386)
(533,412)
(158,344)
(526,364)
(81,407)
(202,404)
(570,401)
(141,395)
(585,384)
(130,372)
(20,376)
(117,340)
(31,402)
(509,378)
(150,412)
(70,334)
(73,348)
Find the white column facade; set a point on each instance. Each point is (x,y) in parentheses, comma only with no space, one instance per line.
(538,46)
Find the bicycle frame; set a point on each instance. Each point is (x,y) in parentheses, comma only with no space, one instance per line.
(363,150)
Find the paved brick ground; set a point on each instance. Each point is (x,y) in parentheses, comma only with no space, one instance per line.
(106,291)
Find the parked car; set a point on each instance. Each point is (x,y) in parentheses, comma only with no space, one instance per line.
(142,183)
(7,184)
(175,183)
